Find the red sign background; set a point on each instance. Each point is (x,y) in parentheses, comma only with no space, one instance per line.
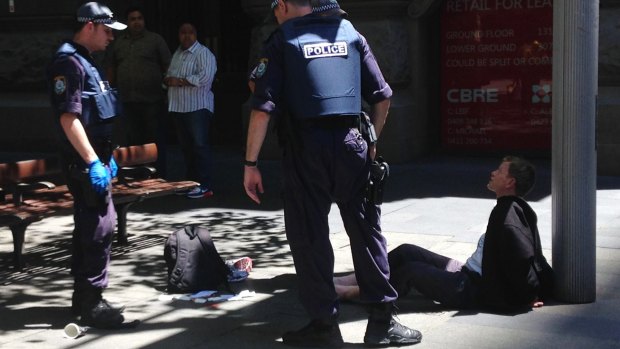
(496,74)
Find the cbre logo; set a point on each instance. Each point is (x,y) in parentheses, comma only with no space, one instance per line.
(489,95)
(541,93)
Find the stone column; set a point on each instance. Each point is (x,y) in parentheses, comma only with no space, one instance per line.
(607,120)
(575,60)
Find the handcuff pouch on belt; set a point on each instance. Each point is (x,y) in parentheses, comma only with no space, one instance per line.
(379,173)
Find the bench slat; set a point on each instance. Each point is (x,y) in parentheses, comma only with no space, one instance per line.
(19,171)
(149,188)
(136,155)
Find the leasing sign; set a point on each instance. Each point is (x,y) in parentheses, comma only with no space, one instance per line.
(496,74)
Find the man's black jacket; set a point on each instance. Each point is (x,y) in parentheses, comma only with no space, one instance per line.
(514,270)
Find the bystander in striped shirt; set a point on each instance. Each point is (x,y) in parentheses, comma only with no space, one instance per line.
(196,65)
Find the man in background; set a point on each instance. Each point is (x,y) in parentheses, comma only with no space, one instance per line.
(191,103)
(136,63)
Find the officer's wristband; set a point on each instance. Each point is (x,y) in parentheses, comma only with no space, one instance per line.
(250,163)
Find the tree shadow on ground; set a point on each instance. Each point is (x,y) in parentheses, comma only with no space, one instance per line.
(46,279)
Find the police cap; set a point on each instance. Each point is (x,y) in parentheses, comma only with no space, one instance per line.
(327,8)
(98,13)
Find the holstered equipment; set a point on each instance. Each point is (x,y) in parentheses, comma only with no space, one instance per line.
(379,173)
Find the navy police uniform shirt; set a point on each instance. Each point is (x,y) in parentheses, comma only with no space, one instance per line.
(76,87)
(270,72)
(67,82)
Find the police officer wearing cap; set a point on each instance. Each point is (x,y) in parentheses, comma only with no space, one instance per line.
(317,68)
(84,107)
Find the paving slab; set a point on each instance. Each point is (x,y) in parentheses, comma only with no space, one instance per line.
(424,205)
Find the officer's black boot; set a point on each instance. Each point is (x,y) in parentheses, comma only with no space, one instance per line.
(76,301)
(319,333)
(97,312)
(383,330)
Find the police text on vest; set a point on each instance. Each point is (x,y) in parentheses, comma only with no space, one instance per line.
(326,49)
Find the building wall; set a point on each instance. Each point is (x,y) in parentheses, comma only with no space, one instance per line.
(30,34)
(403,34)
(28,38)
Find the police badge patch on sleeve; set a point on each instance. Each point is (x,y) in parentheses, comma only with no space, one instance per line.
(60,85)
(261,68)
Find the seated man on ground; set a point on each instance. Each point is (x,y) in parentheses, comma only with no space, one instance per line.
(507,271)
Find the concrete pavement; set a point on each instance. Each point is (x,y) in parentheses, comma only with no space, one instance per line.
(439,203)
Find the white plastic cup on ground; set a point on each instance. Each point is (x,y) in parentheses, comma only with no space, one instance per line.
(74,331)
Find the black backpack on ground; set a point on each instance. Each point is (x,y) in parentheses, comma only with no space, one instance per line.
(193,262)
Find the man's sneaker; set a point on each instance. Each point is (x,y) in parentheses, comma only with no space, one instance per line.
(102,315)
(183,191)
(237,275)
(380,334)
(317,334)
(199,193)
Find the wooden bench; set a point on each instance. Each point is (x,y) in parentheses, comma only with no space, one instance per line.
(20,176)
(25,200)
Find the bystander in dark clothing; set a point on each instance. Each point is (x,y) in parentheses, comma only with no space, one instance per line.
(136,63)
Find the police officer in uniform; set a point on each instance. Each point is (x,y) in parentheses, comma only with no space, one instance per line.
(317,69)
(84,107)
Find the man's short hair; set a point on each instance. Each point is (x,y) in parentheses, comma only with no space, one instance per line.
(523,172)
(191,25)
(133,8)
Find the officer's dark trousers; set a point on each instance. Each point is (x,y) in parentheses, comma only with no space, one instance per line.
(332,165)
(435,276)
(92,240)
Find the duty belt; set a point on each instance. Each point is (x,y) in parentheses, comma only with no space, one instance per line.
(333,122)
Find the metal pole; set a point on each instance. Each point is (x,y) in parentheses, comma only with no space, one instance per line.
(575,86)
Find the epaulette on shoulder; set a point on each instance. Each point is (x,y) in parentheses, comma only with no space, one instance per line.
(66,49)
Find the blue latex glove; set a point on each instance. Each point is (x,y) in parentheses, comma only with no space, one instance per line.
(99,176)
(113,167)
